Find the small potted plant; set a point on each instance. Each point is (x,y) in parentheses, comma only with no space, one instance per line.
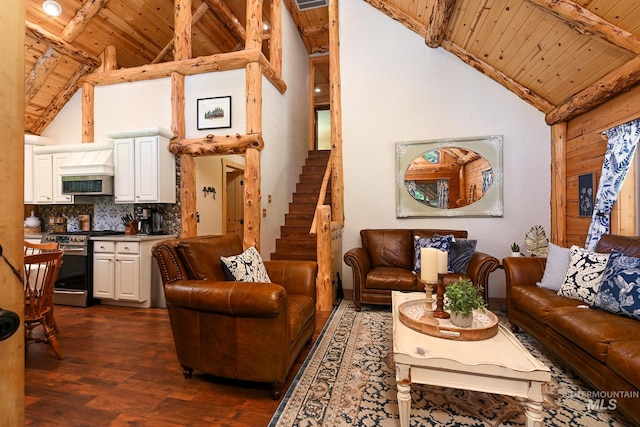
(461,298)
(515,249)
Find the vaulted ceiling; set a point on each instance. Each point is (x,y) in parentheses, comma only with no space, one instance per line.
(562,56)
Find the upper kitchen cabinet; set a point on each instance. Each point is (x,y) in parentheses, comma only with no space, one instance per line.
(145,168)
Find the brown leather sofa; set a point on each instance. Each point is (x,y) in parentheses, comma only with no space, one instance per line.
(384,263)
(601,347)
(240,330)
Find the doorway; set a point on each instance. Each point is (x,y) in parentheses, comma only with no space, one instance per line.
(232,198)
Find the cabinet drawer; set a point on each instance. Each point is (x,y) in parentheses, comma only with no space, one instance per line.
(128,247)
(104,247)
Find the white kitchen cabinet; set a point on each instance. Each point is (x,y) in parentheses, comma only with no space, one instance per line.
(145,170)
(28,174)
(47,183)
(122,272)
(43,178)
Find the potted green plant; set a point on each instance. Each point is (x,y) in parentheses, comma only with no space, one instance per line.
(515,249)
(461,298)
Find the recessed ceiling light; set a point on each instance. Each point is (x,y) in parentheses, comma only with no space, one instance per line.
(51,8)
(317,90)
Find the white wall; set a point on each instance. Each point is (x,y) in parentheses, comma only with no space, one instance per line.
(395,88)
(285,130)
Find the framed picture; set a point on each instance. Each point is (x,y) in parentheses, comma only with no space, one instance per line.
(586,194)
(214,113)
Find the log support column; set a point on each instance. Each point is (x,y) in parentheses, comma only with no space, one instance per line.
(559,184)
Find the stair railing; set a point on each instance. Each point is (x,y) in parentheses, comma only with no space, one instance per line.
(328,235)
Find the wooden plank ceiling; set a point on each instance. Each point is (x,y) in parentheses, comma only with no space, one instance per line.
(562,56)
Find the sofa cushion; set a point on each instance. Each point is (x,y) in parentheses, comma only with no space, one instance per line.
(556,268)
(201,258)
(389,248)
(442,243)
(245,267)
(395,278)
(584,274)
(622,358)
(460,253)
(592,330)
(619,291)
(539,303)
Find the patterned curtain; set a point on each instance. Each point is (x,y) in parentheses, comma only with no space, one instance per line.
(487,180)
(621,147)
(443,194)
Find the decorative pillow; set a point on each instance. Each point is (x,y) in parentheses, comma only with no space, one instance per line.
(246,267)
(555,271)
(584,275)
(619,292)
(460,253)
(438,242)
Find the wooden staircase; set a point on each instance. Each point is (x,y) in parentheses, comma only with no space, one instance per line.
(295,242)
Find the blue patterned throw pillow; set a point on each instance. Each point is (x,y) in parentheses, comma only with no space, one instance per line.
(619,292)
(584,274)
(246,267)
(437,242)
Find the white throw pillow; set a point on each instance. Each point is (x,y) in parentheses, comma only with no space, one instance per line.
(246,267)
(556,269)
(584,275)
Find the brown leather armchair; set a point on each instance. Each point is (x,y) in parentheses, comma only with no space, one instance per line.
(241,330)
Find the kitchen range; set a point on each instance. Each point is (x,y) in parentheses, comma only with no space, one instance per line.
(75,280)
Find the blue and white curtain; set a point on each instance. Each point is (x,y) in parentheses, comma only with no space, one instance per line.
(623,140)
(443,194)
(487,180)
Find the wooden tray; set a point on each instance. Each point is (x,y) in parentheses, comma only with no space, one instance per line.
(484,326)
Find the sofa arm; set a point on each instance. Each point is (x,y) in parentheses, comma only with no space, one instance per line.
(480,266)
(523,271)
(297,277)
(242,299)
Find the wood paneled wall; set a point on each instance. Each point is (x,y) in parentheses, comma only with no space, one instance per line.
(585,148)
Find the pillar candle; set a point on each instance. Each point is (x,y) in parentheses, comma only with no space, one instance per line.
(443,261)
(429,265)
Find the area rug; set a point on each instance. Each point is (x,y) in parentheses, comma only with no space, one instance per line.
(348,379)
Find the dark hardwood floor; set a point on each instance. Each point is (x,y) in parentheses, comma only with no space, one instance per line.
(120,369)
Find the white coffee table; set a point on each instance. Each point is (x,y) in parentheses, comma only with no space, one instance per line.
(499,365)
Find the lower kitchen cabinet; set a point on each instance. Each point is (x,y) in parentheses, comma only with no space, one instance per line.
(122,272)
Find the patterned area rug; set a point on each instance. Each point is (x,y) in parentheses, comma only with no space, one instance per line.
(348,379)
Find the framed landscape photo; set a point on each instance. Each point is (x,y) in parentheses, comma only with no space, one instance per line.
(586,194)
(214,113)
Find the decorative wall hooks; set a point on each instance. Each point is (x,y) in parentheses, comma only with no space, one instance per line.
(207,190)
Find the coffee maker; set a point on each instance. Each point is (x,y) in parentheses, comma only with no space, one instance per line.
(145,222)
(156,222)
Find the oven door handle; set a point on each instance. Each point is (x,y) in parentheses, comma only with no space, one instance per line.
(56,291)
(68,250)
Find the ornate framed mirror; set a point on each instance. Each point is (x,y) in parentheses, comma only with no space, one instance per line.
(449,177)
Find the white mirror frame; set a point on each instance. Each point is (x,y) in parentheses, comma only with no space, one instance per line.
(491,203)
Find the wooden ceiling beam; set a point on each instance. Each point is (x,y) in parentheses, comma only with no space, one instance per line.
(439,22)
(227,17)
(61,46)
(211,144)
(318,29)
(48,61)
(586,22)
(295,14)
(197,15)
(486,69)
(614,83)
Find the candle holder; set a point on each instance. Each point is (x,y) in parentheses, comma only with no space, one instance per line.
(428,316)
(440,313)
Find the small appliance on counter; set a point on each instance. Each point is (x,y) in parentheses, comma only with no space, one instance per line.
(149,221)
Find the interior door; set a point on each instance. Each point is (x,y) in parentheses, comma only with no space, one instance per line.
(235,208)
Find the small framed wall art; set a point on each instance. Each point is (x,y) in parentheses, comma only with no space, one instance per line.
(586,194)
(214,113)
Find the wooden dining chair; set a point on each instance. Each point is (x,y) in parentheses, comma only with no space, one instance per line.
(37,248)
(40,273)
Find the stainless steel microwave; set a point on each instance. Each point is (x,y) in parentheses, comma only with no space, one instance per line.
(90,185)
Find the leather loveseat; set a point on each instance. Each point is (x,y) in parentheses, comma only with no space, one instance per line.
(240,330)
(385,263)
(601,347)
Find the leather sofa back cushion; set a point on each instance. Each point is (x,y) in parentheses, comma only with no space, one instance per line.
(389,248)
(628,245)
(201,258)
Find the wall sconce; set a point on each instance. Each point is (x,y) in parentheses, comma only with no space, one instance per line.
(207,190)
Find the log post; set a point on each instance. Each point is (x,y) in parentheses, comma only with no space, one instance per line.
(109,59)
(559,184)
(337,180)
(254,125)
(275,42)
(324,290)
(87,113)
(11,234)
